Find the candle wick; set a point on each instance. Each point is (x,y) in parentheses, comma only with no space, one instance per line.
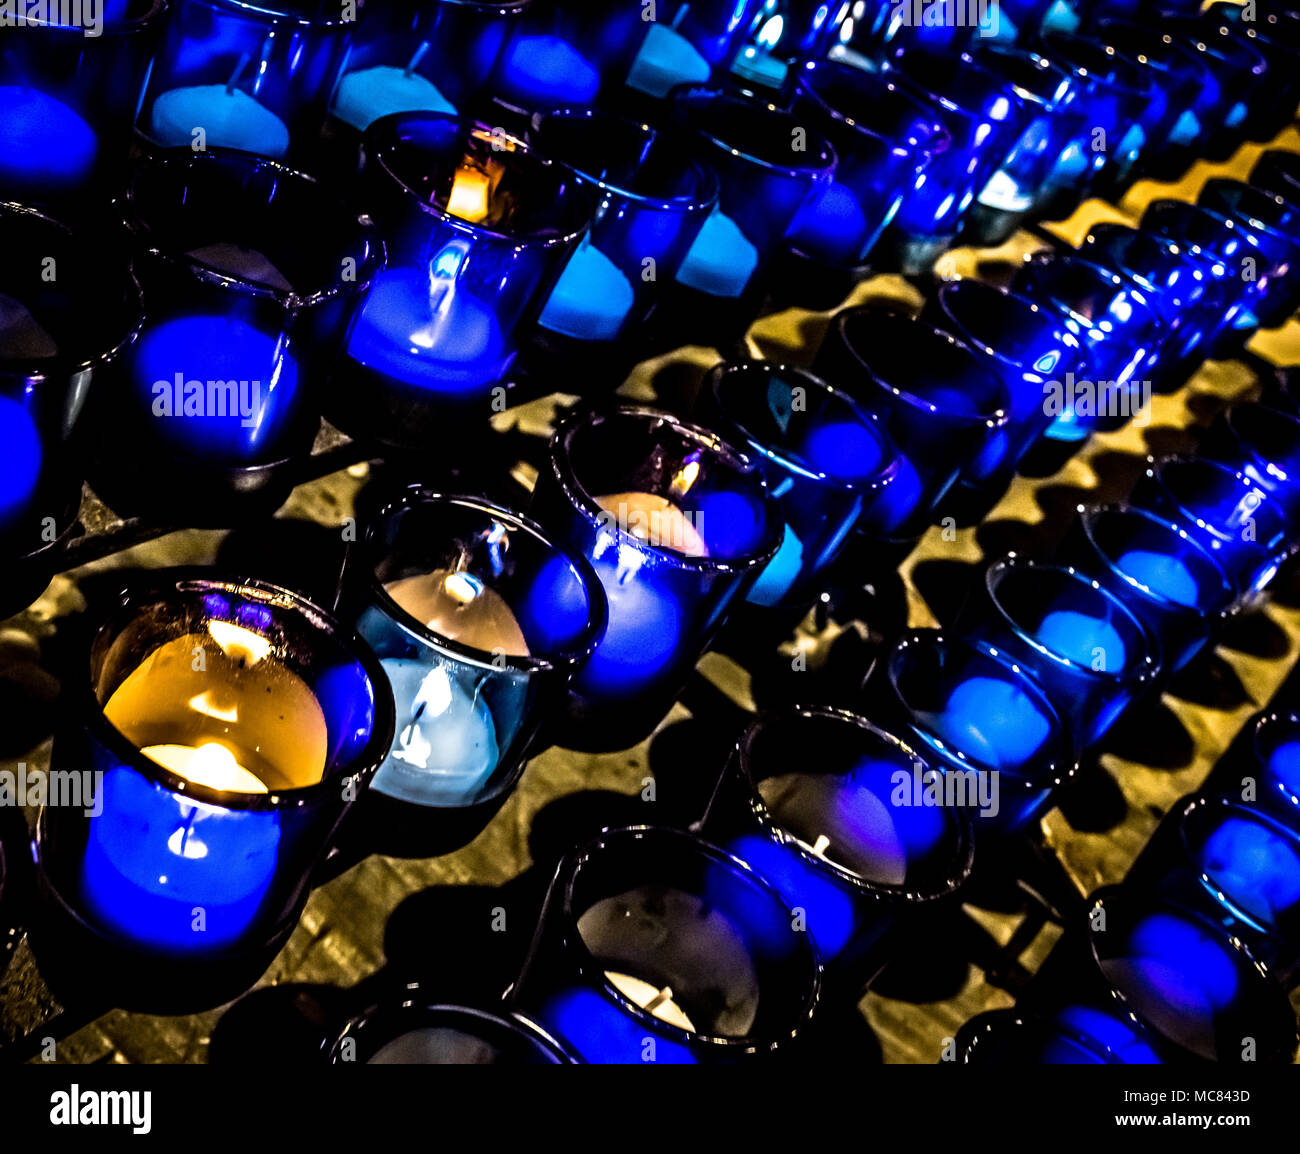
(416,57)
(822,844)
(234,76)
(664,995)
(187,828)
(408,732)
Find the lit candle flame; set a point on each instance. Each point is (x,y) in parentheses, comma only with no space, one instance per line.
(238,643)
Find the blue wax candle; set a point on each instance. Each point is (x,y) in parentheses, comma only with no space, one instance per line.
(898,502)
(832,226)
(20,462)
(446,747)
(843,449)
(760,66)
(992,721)
(1109,1032)
(1257,869)
(229,117)
(722,260)
(1085,640)
(1284,764)
(216,386)
(592,298)
(43,141)
(430,333)
(780,573)
(667,59)
(1164,576)
(369,93)
(545,71)
(602,1033)
(173,874)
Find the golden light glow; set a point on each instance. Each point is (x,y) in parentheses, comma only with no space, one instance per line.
(471,195)
(652,999)
(686,477)
(238,643)
(209,764)
(461,587)
(205,704)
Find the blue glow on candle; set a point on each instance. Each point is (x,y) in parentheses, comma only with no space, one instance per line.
(43,141)
(546,71)
(1164,576)
(667,59)
(731,524)
(229,117)
(1284,764)
(1061,17)
(920,828)
(369,93)
(722,260)
(1256,868)
(591,300)
(210,348)
(554,612)
(154,859)
(898,501)
(1186,128)
(1109,1032)
(1082,639)
(427,331)
(603,1034)
(445,749)
(781,572)
(20,461)
(831,226)
(762,67)
(993,721)
(828,909)
(844,450)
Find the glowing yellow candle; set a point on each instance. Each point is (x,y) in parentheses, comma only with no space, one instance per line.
(654,520)
(461,607)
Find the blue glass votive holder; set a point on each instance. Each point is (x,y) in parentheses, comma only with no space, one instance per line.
(70,94)
(1274,36)
(478,228)
(1035,351)
(1236,519)
(248,270)
(479,621)
(1264,444)
(982,719)
(568,54)
(654,946)
(779,37)
(652,200)
(228,726)
(885,138)
(417,1030)
(1272,226)
(1093,657)
(769,165)
(1275,758)
(678,526)
(1170,581)
(986,118)
(256,79)
(408,56)
(938,400)
(848,823)
(57,337)
(1278,171)
(1189,980)
(826,461)
(1187,298)
(686,42)
(1075,1036)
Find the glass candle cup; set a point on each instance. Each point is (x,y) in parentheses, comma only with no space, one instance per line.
(1264,444)
(985,722)
(1275,757)
(1273,36)
(256,79)
(655,946)
(652,199)
(942,419)
(1034,351)
(419,1031)
(478,228)
(1189,980)
(1093,657)
(778,37)
(1075,1036)
(248,269)
(70,94)
(1278,171)
(685,41)
(825,460)
(1121,335)
(678,526)
(1236,519)
(57,337)
(769,165)
(479,621)
(227,726)
(1170,581)
(885,139)
(856,837)
(408,56)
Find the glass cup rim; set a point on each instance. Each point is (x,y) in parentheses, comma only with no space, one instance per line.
(1269,720)
(949,288)
(992,1022)
(962,856)
(125,608)
(836,68)
(1118,278)
(1155,471)
(1266,411)
(701,202)
(969,65)
(1169,205)
(1246,218)
(380,140)
(1012,563)
(1134,82)
(793,462)
(568,875)
(179,159)
(119,28)
(267,11)
(992,421)
(416,495)
(577,495)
